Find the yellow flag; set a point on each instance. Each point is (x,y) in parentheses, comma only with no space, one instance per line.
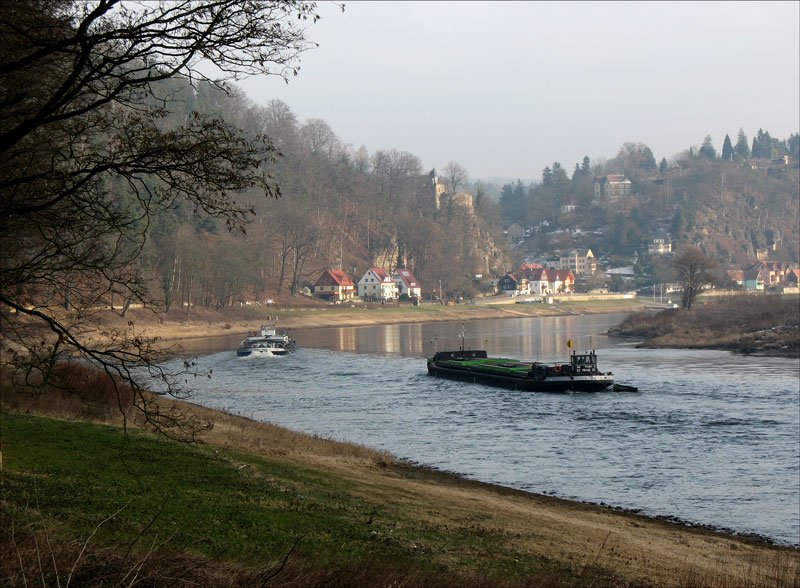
(569,343)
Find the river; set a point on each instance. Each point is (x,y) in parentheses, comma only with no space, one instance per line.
(711,438)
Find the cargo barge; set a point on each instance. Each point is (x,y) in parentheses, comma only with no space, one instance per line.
(579,375)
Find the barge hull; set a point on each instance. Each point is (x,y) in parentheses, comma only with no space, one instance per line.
(583,383)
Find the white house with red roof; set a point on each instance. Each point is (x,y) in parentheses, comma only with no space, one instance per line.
(335,285)
(406,283)
(543,281)
(377,284)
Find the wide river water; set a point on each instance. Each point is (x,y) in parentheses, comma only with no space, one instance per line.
(710,438)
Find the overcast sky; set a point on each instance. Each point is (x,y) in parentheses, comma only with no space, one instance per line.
(508,88)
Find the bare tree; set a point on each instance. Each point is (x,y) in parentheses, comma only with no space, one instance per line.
(318,138)
(89,154)
(694,269)
(455,174)
(394,169)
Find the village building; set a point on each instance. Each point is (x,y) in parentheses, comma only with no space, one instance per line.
(513,285)
(580,262)
(754,279)
(659,247)
(545,282)
(406,283)
(334,285)
(613,187)
(377,284)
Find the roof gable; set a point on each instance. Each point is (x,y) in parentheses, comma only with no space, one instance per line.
(406,277)
(379,273)
(337,277)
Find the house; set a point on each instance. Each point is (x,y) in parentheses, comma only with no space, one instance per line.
(564,281)
(754,279)
(613,187)
(334,285)
(580,262)
(659,247)
(514,285)
(550,281)
(773,272)
(377,284)
(406,283)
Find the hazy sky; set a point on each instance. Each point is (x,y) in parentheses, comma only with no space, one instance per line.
(508,88)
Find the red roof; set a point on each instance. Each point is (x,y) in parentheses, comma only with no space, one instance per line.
(338,276)
(341,277)
(529,266)
(550,275)
(407,277)
(381,274)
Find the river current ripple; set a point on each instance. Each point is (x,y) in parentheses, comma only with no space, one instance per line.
(711,438)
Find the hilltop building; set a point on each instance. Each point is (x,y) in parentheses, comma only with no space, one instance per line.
(612,187)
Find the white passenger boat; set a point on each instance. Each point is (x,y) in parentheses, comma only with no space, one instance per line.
(268,341)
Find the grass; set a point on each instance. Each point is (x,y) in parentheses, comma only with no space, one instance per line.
(766,323)
(242,510)
(91,503)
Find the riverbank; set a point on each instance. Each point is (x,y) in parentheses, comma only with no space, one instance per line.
(251,502)
(179,324)
(744,324)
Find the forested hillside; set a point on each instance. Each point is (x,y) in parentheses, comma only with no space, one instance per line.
(345,207)
(731,205)
(338,207)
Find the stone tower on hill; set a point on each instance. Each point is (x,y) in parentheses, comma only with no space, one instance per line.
(442,198)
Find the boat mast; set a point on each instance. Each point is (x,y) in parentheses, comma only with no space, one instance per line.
(462,337)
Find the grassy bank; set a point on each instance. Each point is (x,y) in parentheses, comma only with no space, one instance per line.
(746,324)
(251,503)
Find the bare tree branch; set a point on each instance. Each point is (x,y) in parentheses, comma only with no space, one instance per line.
(92,151)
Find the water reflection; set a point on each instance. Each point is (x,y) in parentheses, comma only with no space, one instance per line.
(543,338)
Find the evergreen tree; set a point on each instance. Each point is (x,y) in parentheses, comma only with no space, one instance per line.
(514,203)
(586,166)
(707,149)
(742,149)
(663,166)
(727,149)
(547,177)
(560,179)
(576,173)
(648,161)
(677,225)
(762,145)
(793,145)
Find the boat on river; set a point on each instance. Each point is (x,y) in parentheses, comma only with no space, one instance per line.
(579,375)
(268,341)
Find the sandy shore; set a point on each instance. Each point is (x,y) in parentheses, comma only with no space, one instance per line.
(178,325)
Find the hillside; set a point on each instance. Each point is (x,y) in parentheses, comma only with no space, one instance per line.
(735,210)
